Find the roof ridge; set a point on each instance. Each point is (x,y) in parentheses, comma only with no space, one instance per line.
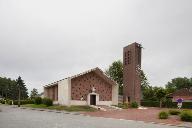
(82,73)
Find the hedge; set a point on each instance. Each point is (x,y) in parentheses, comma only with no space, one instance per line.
(38,100)
(187,105)
(165,104)
(22,102)
(150,103)
(47,101)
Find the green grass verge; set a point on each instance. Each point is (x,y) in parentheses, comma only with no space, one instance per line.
(60,108)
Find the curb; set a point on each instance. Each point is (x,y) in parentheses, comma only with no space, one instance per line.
(49,110)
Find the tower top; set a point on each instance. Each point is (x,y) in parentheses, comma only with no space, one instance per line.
(135,43)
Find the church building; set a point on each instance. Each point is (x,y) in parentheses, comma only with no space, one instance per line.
(92,87)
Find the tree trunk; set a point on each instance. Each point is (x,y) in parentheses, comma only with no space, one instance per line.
(19,97)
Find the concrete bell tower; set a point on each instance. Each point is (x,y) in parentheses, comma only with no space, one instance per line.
(131,73)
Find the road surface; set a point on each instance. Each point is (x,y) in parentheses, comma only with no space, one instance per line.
(13,117)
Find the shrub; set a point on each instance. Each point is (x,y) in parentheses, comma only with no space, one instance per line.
(47,101)
(134,105)
(6,101)
(187,105)
(123,106)
(167,103)
(174,112)
(38,100)
(186,116)
(163,115)
(150,103)
(27,101)
(2,101)
(22,102)
(15,102)
(9,102)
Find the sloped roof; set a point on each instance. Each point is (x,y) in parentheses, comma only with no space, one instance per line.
(182,92)
(96,70)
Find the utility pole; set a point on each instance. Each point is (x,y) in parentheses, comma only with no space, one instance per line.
(19,97)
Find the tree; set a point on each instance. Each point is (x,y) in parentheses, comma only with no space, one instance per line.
(8,88)
(115,72)
(144,81)
(178,83)
(34,93)
(149,93)
(12,90)
(160,94)
(22,86)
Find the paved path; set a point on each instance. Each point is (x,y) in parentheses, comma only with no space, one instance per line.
(147,115)
(25,118)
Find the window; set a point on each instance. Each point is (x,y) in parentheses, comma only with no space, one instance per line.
(127,57)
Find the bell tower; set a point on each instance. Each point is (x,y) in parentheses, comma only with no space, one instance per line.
(131,73)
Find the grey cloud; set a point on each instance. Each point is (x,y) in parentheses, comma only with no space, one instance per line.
(44,40)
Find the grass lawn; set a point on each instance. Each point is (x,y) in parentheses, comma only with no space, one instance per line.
(60,108)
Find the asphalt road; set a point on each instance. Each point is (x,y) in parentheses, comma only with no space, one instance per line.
(13,117)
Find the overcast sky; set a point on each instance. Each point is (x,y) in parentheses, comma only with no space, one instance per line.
(46,40)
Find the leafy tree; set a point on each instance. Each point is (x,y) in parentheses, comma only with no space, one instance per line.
(160,94)
(144,81)
(8,88)
(34,93)
(178,83)
(13,90)
(149,93)
(155,94)
(115,71)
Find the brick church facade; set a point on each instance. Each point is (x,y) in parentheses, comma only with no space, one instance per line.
(92,87)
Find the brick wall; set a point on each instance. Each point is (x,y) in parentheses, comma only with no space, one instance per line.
(82,86)
(51,92)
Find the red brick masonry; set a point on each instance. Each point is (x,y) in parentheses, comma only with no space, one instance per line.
(51,92)
(81,86)
(148,115)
